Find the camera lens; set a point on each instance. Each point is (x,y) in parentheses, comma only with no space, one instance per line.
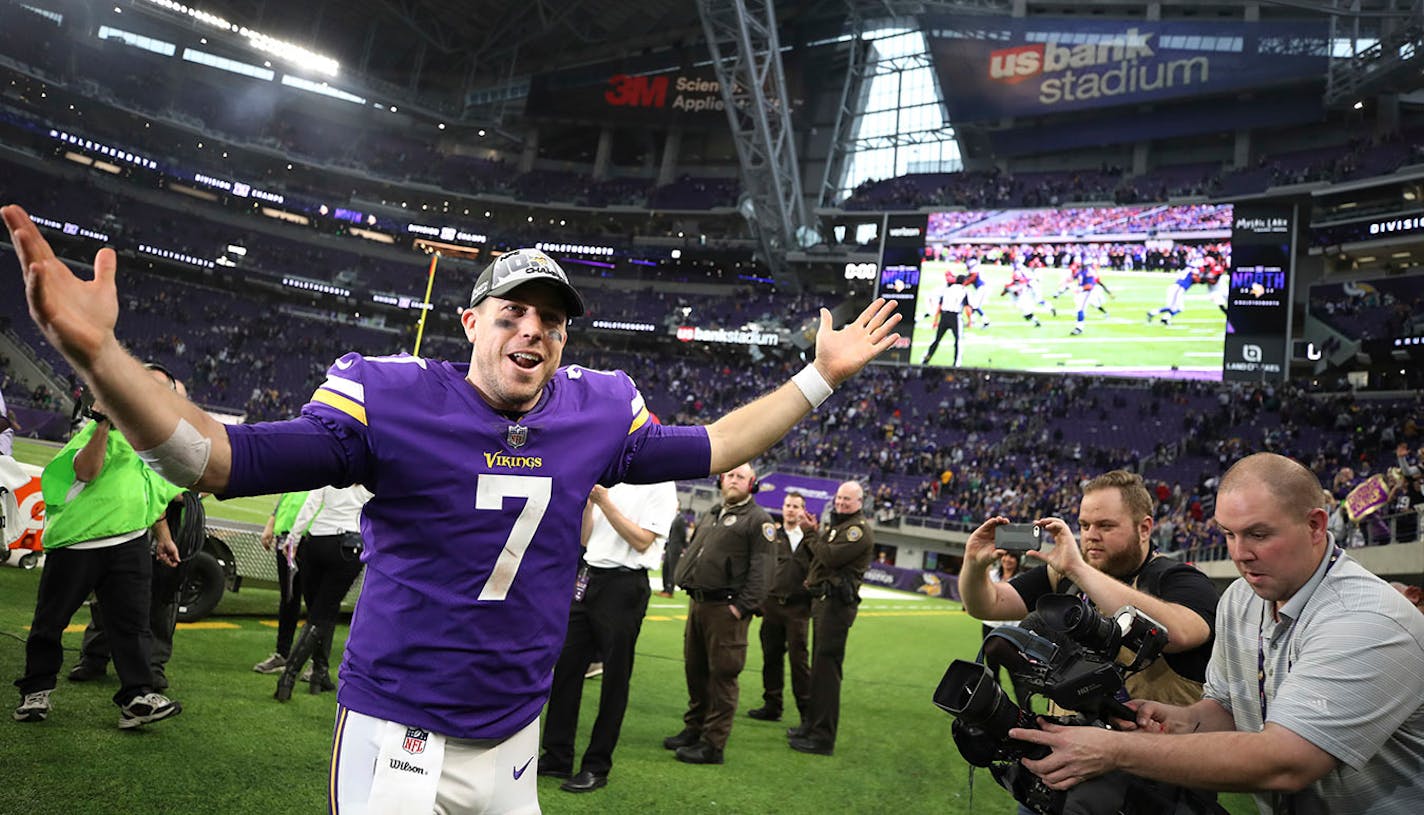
(1074,617)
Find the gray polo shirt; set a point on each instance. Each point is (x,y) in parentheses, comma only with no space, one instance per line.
(1344,669)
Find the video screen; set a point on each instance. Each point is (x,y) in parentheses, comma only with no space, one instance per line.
(1127,291)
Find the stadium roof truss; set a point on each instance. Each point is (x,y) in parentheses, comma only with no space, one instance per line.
(746,55)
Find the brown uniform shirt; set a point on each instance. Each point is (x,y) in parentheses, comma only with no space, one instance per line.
(842,552)
(731,551)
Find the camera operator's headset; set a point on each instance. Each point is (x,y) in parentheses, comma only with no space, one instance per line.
(751,488)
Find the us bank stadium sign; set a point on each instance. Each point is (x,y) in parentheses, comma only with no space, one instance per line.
(692,333)
(990,69)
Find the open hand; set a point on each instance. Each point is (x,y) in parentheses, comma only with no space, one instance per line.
(841,354)
(76,316)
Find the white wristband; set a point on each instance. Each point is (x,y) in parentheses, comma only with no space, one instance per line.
(813,386)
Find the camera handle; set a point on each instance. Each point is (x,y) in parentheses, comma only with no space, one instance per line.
(1114,708)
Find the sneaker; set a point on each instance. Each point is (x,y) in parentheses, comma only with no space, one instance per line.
(1076,331)
(149,707)
(594,669)
(34,707)
(271,665)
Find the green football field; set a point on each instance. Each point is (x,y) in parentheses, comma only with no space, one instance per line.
(1122,341)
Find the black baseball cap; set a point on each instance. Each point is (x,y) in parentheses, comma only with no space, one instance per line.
(513,269)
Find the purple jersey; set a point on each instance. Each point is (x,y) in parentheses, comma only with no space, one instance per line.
(472,538)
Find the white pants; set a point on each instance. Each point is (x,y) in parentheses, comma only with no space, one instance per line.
(1176,296)
(478,777)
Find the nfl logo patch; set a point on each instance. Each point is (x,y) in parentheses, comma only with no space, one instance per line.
(517,435)
(415,740)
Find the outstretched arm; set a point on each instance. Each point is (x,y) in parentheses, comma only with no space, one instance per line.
(749,430)
(77,317)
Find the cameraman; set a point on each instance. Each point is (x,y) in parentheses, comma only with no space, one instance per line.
(1116,566)
(1313,695)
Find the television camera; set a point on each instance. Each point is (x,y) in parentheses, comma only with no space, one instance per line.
(1065,652)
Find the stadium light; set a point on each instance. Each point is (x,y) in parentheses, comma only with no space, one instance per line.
(287,51)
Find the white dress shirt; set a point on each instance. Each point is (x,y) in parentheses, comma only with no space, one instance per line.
(651,507)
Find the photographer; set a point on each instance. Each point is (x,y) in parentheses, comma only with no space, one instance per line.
(1116,566)
(1313,695)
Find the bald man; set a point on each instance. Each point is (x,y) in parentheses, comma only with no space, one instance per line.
(726,572)
(1314,696)
(840,554)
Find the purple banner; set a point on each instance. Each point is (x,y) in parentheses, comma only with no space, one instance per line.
(42,424)
(996,68)
(818,492)
(919,581)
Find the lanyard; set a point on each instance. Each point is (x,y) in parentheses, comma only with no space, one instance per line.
(1261,641)
(1281,803)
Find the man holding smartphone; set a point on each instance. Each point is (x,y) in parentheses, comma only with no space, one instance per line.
(1115,566)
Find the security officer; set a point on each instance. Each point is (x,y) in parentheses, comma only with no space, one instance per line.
(726,572)
(839,557)
(786,614)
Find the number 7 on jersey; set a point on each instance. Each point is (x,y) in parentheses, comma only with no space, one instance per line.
(490,492)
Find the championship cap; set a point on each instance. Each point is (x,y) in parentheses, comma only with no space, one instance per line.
(513,269)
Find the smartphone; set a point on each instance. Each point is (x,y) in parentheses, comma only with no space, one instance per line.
(1018,537)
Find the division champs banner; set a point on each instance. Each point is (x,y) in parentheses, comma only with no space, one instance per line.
(1258,302)
(1368,498)
(991,68)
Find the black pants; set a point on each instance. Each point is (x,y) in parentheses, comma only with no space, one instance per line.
(329,565)
(607,621)
(832,620)
(948,322)
(289,608)
(671,554)
(784,632)
(120,576)
(162,621)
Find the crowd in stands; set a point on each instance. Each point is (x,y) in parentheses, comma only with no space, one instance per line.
(958,447)
(1379,309)
(1118,256)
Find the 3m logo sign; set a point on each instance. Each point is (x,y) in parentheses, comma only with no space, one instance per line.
(637,91)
